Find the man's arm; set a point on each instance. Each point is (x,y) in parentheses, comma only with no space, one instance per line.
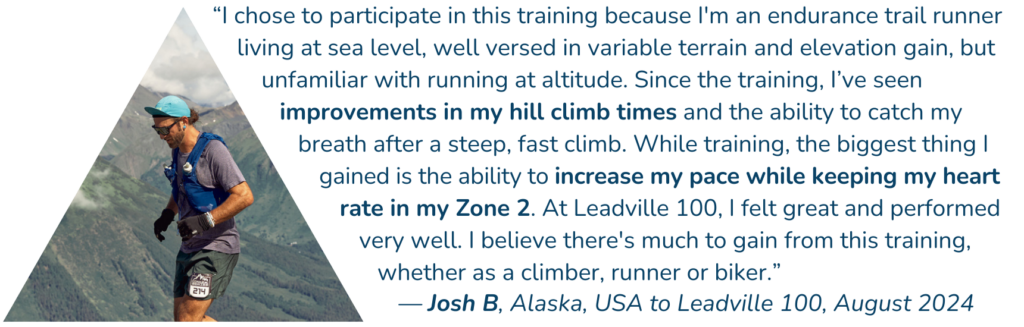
(172,206)
(240,197)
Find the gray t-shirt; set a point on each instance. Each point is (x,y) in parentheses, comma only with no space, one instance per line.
(215,169)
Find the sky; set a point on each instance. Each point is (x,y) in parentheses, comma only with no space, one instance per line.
(183,66)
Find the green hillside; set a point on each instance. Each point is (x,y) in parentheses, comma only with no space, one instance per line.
(103,263)
(273,215)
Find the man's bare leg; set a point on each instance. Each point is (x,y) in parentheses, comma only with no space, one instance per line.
(188,310)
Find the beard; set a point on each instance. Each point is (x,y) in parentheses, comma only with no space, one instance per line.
(175,140)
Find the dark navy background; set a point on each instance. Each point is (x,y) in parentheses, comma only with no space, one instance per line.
(116,46)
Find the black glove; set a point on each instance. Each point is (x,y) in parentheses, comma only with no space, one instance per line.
(193,226)
(160,225)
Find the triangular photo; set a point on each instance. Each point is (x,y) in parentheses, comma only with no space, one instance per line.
(234,245)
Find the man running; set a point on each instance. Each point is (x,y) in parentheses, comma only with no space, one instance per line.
(208,191)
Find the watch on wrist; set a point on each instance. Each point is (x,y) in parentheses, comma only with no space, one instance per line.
(209,219)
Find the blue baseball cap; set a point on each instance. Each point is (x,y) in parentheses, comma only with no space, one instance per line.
(170,106)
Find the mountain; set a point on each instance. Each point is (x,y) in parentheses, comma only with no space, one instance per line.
(104,264)
(134,147)
(225,121)
(129,134)
(273,216)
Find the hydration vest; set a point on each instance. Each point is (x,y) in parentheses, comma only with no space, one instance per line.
(199,197)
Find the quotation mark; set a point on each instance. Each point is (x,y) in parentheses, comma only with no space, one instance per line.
(774,266)
(216,9)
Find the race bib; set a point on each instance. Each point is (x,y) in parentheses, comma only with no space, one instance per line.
(199,285)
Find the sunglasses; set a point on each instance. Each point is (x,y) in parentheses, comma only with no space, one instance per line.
(164,130)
